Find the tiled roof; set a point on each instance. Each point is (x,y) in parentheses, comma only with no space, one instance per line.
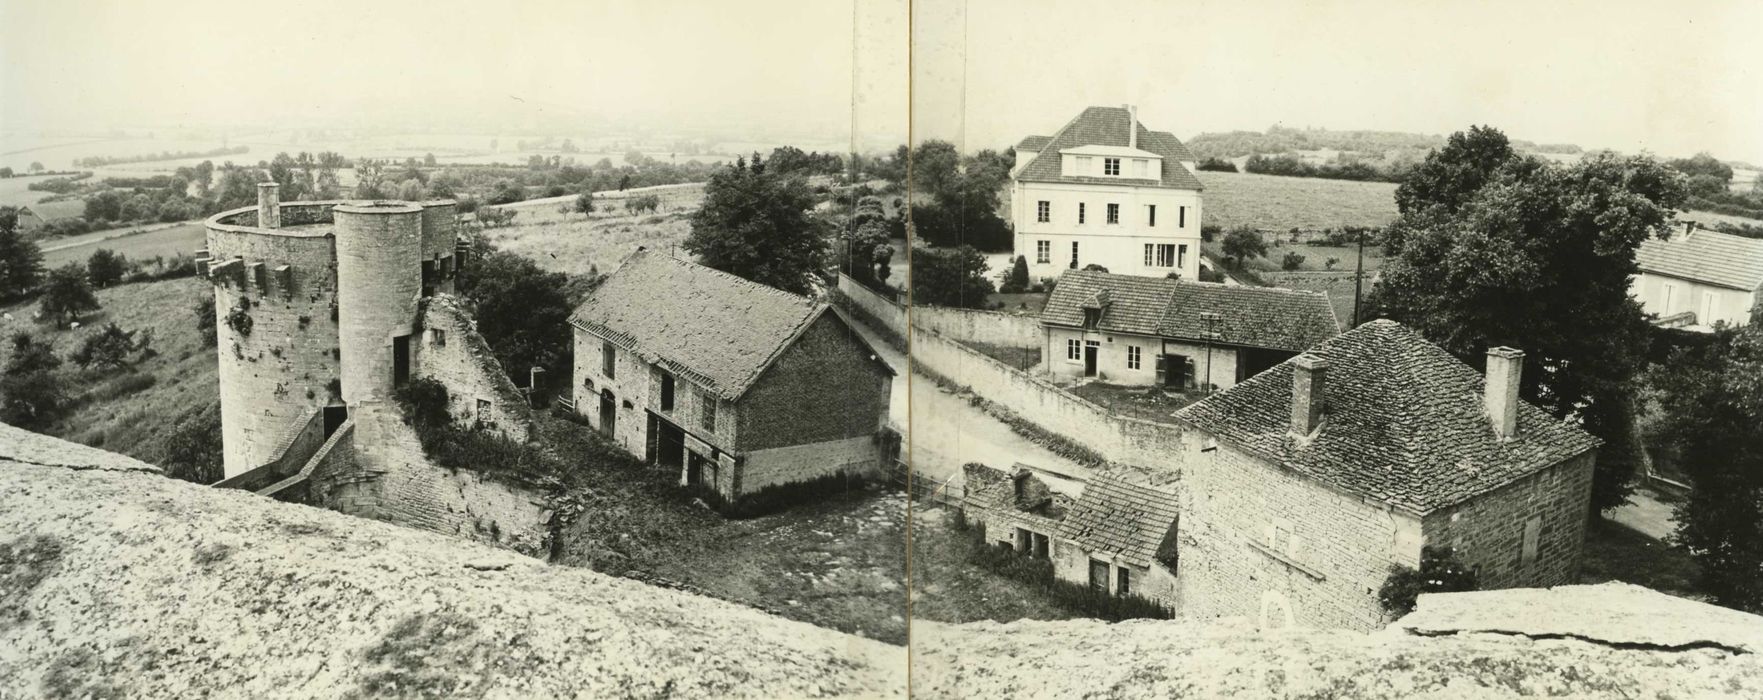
(1120,517)
(1107,126)
(713,328)
(1402,423)
(991,489)
(1262,317)
(1705,256)
(1034,143)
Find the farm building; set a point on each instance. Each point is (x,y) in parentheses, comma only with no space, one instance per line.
(737,385)
(1106,190)
(1700,278)
(1120,536)
(1014,509)
(1303,485)
(1148,331)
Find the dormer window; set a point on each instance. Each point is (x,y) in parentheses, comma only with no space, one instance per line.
(1110,166)
(1092,317)
(1141,167)
(1084,165)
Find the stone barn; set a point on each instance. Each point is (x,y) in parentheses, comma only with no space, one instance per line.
(736,385)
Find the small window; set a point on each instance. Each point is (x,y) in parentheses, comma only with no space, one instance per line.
(1533,530)
(1080,212)
(1114,213)
(709,415)
(666,391)
(1151,214)
(1181,217)
(1133,357)
(1043,211)
(1181,256)
(1043,252)
(483,411)
(1074,255)
(1085,165)
(1092,317)
(438,337)
(1074,349)
(1125,585)
(1110,166)
(1141,167)
(609,360)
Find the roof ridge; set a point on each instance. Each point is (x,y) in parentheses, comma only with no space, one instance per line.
(734,277)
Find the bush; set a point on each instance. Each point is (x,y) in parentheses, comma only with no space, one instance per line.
(111,347)
(1440,572)
(1208,274)
(493,217)
(424,402)
(105,267)
(1017,282)
(204,310)
(239,318)
(1209,232)
(192,452)
(1293,261)
(1218,165)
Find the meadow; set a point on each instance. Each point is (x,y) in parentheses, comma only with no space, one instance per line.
(1274,203)
(576,244)
(137,244)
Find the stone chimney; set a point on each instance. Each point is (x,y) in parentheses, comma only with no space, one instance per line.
(269,205)
(1309,373)
(1505,368)
(1132,126)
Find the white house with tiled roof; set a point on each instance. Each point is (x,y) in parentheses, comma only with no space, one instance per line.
(737,385)
(1698,278)
(1106,190)
(1304,485)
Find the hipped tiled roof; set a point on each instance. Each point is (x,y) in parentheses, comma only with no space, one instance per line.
(1108,126)
(1403,423)
(1262,317)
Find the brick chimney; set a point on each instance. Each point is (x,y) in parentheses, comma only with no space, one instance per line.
(269,205)
(1505,368)
(1309,373)
(1132,126)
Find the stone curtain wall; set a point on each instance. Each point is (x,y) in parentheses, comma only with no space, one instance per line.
(1261,542)
(989,327)
(1488,531)
(460,360)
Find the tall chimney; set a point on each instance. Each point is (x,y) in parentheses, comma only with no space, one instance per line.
(1505,368)
(1132,126)
(269,205)
(1308,377)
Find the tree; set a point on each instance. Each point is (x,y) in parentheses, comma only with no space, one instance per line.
(1017,282)
(950,277)
(5,173)
(864,254)
(935,166)
(1704,164)
(1711,400)
(758,225)
(21,261)
(30,391)
(1539,258)
(192,451)
(584,203)
(1243,243)
(522,311)
(1440,572)
(111,347)
(68,294)
(36,166)
(106,267)
(1291,261)
(428,160)
(1452,174)
(370,179)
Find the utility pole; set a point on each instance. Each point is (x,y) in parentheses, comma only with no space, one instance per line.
(1358,276)
(1211,319)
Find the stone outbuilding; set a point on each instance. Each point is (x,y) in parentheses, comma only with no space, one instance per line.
(1120,536)
(736,385)
(1304,485)
(1014,509)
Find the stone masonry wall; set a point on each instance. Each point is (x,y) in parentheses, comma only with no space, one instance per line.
(1266,544)
(1489,531)
(380,278)
(451,352)
(973,326)
(638,385)
(1072,563)
(272,377)
(826,386)
(784,465)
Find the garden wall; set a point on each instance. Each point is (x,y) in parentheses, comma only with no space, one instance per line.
(972,326)
(881,314)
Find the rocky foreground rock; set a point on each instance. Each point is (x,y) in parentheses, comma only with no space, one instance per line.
(118,582)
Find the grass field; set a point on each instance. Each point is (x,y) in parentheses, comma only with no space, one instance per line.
(574,243)
(1271,202)
(138,243)
(109,411)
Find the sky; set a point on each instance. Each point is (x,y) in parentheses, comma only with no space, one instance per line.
(1670,78)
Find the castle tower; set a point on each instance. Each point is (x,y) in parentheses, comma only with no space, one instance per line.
(275,328)
(439,238)
(379,281)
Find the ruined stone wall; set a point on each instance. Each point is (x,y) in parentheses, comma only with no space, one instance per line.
(1261,542)
(450,351)
(379,278)
(1489,532)
(271,377)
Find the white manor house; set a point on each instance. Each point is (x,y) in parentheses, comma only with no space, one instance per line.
(1105,190)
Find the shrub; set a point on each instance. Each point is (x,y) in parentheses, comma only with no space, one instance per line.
(105,267)
(1017,282)
(192,452)
(239,318)
(1330,263)
(1209,232)
(1291,261)
(1218,165)
(111,347)
(1208,274)
(1440,572)
(204,310)
(492,217)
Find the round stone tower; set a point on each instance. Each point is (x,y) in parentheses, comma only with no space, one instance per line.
(379,284)
(439,238)
(276,335)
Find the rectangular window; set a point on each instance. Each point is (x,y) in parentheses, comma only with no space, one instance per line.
(1181,216)
(1141,167)
(1110,166)
(483,411)
(709,415)
(438,337)
(1085,165)
(609,360)
(1533,530)
(666,391)
(1074,255)
(1099,575)
(1043,211)
(1114,213)
(1134,359)
(1043,252)
(1181,256)
(1149,253)
(1165,255)
(1074,350)
(1151,214)
(1125,586)
(1080,212)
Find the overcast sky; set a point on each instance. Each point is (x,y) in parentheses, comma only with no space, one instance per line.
(1673,78)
